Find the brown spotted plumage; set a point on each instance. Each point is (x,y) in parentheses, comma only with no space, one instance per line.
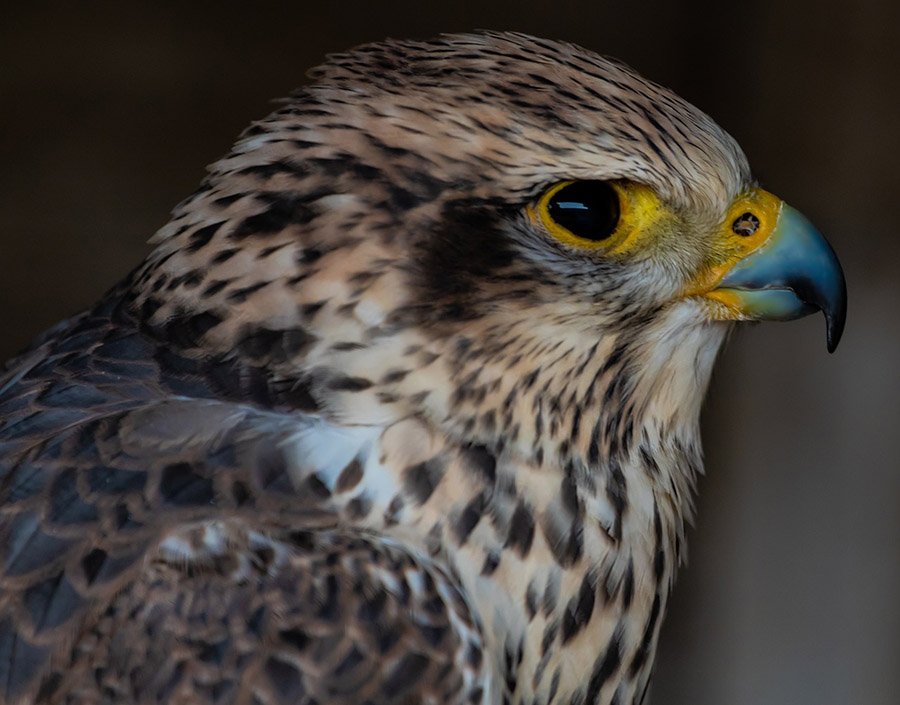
(359,430)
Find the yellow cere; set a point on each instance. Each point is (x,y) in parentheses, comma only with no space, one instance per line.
(729,248)
(640,210)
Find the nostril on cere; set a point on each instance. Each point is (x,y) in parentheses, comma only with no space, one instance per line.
(745,224)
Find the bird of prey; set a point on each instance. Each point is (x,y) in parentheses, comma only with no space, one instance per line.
(403,406)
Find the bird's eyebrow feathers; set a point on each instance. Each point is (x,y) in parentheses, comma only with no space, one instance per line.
(495,99)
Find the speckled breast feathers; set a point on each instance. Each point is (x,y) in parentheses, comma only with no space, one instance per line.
(358,428)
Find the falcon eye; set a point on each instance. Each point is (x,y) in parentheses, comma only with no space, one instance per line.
(581,213)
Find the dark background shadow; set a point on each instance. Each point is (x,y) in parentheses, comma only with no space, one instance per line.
(108,112)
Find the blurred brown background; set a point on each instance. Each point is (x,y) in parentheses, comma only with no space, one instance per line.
(108,112)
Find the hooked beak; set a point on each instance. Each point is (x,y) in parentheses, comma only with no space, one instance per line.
(791,273)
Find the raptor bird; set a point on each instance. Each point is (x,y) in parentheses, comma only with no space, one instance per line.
(403,405)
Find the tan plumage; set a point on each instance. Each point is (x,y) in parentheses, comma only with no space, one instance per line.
(360,429)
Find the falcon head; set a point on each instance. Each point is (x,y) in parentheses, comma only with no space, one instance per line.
(520,241)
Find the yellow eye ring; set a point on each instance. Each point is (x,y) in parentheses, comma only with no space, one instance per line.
(615,217)
(582,214)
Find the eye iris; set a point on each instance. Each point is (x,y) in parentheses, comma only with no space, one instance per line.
(588,209)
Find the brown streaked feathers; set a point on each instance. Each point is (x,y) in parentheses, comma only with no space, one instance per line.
(354,431)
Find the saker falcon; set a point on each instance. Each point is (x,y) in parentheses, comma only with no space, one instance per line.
(403,406)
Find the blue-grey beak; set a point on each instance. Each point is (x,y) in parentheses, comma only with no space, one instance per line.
(794,273)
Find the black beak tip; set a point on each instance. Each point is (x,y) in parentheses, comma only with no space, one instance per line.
(835,317)
(833,335)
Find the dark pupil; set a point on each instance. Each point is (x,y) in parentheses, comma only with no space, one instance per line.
(588,209)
